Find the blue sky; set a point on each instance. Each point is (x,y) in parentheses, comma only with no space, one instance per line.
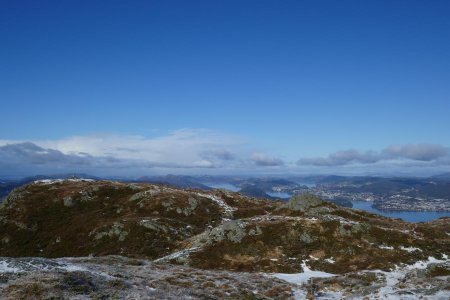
(277,86)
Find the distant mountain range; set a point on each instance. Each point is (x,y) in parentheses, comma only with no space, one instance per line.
(175,181)
(444,176)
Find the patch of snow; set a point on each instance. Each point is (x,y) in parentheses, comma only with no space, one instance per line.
(181,253)
(228,209)
(51,181)
(33,264)
(72,268)
(393,278)
(441,295)
(299,294)
(269,218)
(300,278)
(330,260)
(340,219)
(37,264)
(410,249)
(5,268)
(66,265)
(329,295)
(386,247)
(312,219)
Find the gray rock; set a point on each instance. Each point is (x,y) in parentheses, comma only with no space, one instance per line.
(303,202)
(137,196)
(255,231)
(233,230)
(307,238)
(68,201)
(187,211)
(116,230)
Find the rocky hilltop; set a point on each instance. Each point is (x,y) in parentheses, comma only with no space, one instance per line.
(217,231)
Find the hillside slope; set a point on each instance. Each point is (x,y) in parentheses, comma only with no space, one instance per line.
(207,229)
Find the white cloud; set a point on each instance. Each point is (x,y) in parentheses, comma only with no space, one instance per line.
(185,148)
(408,152)
(199,151)
(265,160)
(183,145)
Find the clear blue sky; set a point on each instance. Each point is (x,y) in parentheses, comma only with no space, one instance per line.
(296,78)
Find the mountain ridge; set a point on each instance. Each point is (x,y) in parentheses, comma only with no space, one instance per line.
(112,228)
(105,217)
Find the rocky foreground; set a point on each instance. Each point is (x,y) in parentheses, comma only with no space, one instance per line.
(152,241)
(116,277)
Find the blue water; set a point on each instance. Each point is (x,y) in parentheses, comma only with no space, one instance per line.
(226,186)
(409,216)
(279,195)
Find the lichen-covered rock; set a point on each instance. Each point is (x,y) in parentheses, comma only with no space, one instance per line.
(116,230)
(192,205)
(144,195)
(167,204)
(85,196)
(134,187)
(232,230)
(68,201)
(350,230)
(153,225)
(307,238)
(303,202)
(319,211)
(255,231)
(137,196)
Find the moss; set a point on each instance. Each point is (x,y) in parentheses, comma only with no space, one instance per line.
(247,295)
(438,270)
(34,290)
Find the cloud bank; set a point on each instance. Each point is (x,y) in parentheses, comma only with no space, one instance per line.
(411,152)
(181,149)
(262,159)
(200,151)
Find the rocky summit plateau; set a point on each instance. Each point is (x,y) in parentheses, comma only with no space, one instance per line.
(90,239)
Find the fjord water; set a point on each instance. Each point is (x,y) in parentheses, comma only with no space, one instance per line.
(222,185)
(409,216)
(279,194)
